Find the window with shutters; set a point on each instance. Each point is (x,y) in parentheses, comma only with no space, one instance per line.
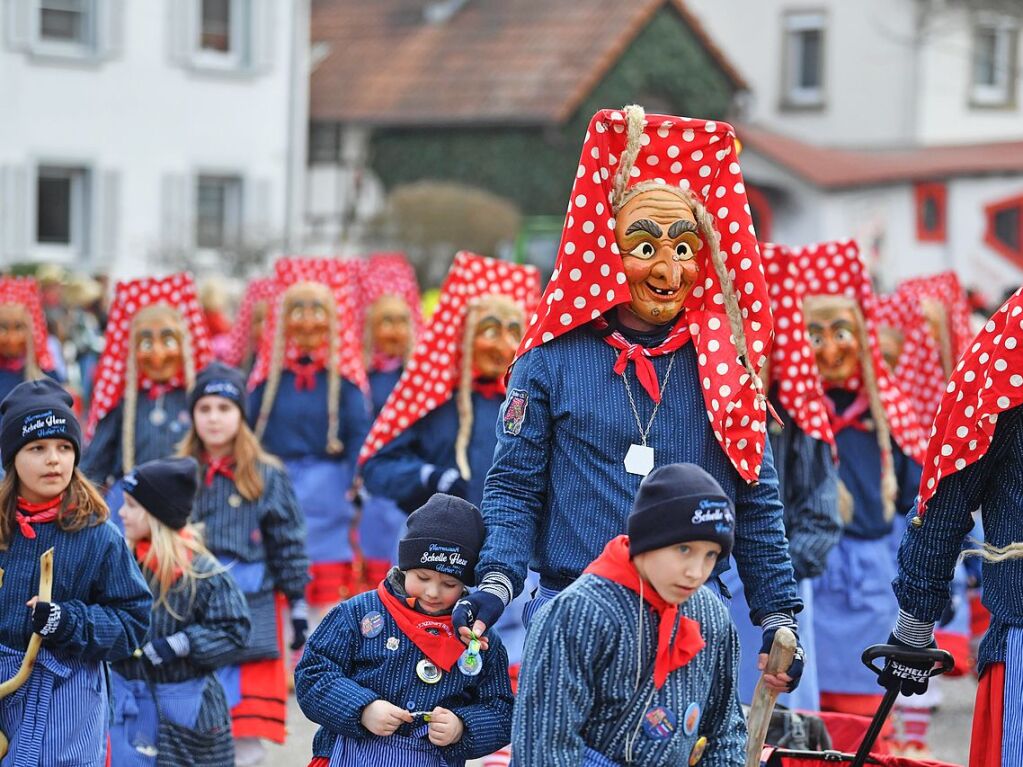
(222,34)
(59,30)
(218,214)
(62,209)
(995,62)
(1004,229)
(66,22)
(803,60)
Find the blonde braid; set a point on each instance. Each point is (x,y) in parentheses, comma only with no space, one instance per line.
(334,444)
(129,404)
(991,553)
(635,118)
(273,373)
(464,393)
(32,370)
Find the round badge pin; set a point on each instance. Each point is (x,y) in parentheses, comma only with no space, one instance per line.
(470,663)
(158,417)
(392,643)
(697,753)
(428,672)
(234,500)
(659,723)
(371,625)
(692,719)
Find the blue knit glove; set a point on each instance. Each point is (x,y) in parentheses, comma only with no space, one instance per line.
(486,604)
(48,618)
(448,481)
(299,624)
(909,678)
(166,649)
(770,625)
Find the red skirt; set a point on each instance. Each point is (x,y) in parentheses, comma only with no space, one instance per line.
(264,689)
(986,742)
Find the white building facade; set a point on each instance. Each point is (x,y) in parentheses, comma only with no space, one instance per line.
(141,135)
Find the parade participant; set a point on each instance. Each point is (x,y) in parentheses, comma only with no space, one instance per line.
(974,459)
(169,708)
(24,353)
(253,525)
(643,353)
(385,675)
(878,442)
(803,448)
(309,408)
(947,311)
(99,608)
(156,341)
(244,338)
(391,321)
(652,682)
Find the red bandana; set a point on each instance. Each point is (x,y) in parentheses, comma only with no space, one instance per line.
(385,363)
(237,349)
(24,292)
(987,381)
(29,514)
(850,417)
(615,564)
(215,466)
(443,649)
(142,550)
(640,355)
(156,390)
(177,291)
(305,372)
(589,278)
(431,376)
(793,368)
(12,364)
(496,389)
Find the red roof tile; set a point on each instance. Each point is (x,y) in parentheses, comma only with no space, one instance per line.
(498,62)
(833,168)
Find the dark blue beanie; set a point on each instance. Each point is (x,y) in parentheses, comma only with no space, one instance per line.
(37,410)
(218,379)
(166,487)
(444,534)
(679,503)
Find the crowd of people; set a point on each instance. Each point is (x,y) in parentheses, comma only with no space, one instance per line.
(687,443)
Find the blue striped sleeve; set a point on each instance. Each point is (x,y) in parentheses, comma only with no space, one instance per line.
(487,722)
(220,620)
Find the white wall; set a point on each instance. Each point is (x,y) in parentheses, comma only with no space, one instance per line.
(147,124)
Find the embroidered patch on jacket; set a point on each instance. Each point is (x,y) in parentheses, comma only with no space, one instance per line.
(515,411)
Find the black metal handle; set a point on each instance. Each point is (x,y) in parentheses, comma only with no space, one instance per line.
(943,660)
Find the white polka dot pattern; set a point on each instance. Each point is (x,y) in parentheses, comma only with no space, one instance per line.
(24,292)
(431,375)
(699,156)
(385,274)
(342,277)
(177,290)
(263,289)
(986,382)
(945,288)
(836,268)
(919,372)
(792,359)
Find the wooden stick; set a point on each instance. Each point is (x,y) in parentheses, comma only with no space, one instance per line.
(783,649)
(28,662)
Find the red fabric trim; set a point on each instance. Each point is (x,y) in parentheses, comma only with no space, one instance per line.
(980,617)
(443,649)
(847,730)
(329,583)
(959,645)
(319,761)
(986,741)
(615,564)
(264,688)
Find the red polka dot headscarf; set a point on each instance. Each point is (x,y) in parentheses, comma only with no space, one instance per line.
(432,374)
(24,292)
(177,291)
(919,372)
(238,345)
(342,277)
(836,269)
(388,274)
(793,366)
(987,381)
(700,157)
(946,289)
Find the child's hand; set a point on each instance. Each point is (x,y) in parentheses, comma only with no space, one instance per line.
(445,727)
(383,718)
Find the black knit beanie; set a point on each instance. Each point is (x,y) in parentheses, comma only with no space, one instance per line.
(37,410)
(218,379)
(444,534)
(166,488)
(678,503)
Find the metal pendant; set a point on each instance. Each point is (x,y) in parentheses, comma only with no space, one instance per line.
(639,460)
(234,500)
(428,672)
(158,417)
(470,662)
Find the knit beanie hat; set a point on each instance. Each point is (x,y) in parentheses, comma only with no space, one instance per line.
(444,534)
(166,488)
(218,379)
(678,503)
(37,410)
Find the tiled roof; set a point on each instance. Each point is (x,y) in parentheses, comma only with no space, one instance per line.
(832,168)
(493,62)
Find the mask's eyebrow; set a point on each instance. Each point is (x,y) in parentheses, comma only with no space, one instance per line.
(644,225)
(680,227)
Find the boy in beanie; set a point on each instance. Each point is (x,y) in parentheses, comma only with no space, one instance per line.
(635,662)
(385,674)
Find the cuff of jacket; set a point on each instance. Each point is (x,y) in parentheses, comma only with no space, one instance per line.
(354,703)
(483,733)
(499,585)
(913,631)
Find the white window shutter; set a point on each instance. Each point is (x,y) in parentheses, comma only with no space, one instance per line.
(261,29)
(175,216)
(180,15)
(14,212)
(258,219)
(110,24)
(17,20)
(107,217)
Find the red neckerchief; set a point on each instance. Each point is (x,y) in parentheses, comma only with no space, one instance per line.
(640,355)
(142,550)
(156,390)
(28,514)
(442,649)
(850,417)
(495,389)
(615,564)
(215,466)
(12,364)
(305,372)
(385,363)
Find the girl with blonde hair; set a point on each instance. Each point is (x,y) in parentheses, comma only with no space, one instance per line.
(169,708)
